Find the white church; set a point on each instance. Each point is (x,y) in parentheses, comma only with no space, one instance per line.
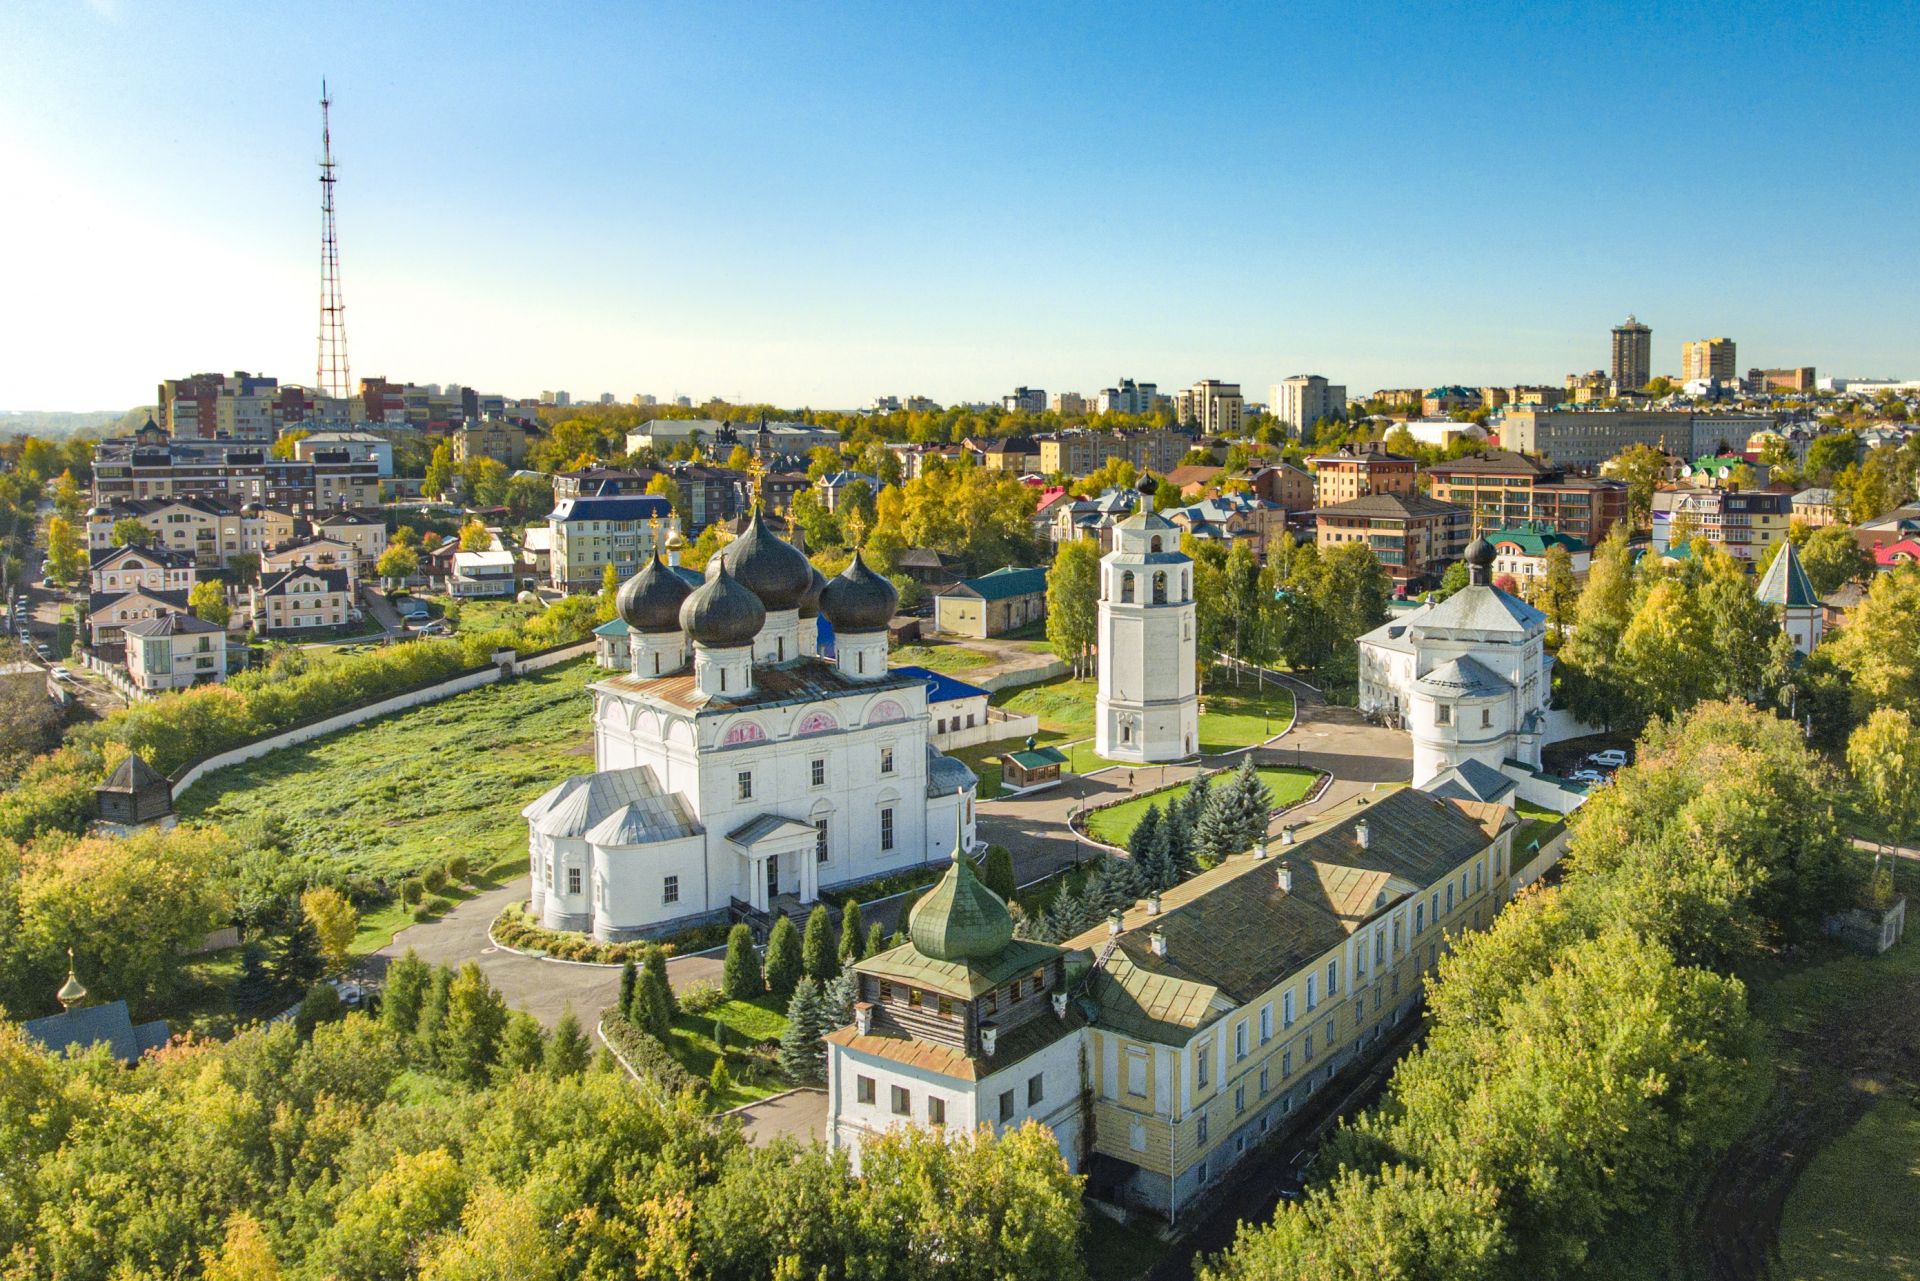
(1146,707)
(739,771)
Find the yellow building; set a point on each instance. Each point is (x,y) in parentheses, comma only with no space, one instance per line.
(1708,358)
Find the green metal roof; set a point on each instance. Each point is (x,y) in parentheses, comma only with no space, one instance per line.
(1005,582)
(960,919)
(1534,540)
(1786,583)
(1037,757)
(965,979)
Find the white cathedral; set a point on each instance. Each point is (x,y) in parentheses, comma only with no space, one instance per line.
(1146,707)
(738,770)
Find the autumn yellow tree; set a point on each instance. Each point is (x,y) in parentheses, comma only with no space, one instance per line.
(335,921)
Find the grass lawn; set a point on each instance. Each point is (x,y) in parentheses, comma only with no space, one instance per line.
(1116,824)
(748,1023)
(479,614)
(1537,823)
(948,659)
(1241,717)
(381,923)
(1851,1215)
(402,793)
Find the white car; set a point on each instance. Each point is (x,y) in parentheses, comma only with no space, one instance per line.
(1591,777)
(60,673)
(1612,758)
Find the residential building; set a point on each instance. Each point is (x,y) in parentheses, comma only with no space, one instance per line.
(358,446)
(1211,407)
(1146,707)
(1896,526)
(1231,517)
(1505,490)
(1354,471)
(1816,507)
(1541,396)
(1164,1046)
(834,486)
(1193,479)
(1071,404)
(663,434)
(209,531)
(712,494)
(1722,471)
(1589,437)
(1305,399)
(1017,455)
(1796,380)
(134,467)
(788,440)
(121,569)
(1709,358)
(1128,398)
(1286,485)
(993,604)
(1743,523)
(313,551)
(1441,401)
(1520,553)
(301,600)
(778,488)
(591,533)
(737,772)
(109,613)
(364,532)
(501,439)
(174,651)
(235,407)
(1631,366)
(488,573)
(1079,452)
(601,482)
(1413,536)
(1027,400)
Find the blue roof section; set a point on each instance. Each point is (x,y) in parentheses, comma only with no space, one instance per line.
(612,627)
(941,688)
(611,507)
(93,1024)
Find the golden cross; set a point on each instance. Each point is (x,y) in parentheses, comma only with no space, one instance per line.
(653,523)
(855,526)
(756,474)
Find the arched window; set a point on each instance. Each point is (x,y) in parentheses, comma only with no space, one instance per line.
(885,710)
(743,732)
(1155,544)
(1126,588)
(1126,731)
(1160,587)
(816,723)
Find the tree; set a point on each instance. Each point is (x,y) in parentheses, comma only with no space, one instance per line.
(522,1047)
(665,486)
(997,872)
(652,1009)
(66,551)
(208,601)
(502,1237)
(853,932)
(243,567)
(609,593)
(283,444)
(1559,590)
(321,1004)
(440,472)
(654,961)
(876,939)
(244,1255)
(784,966)
(475,537)
(1642,467)
(1668,652)
(802,1053)
(527,497)
(128,531)
(628,980)
(1453,580)
(817,949)
(469,1038)
(1595,685)
(1073,592)
(567,1049)
(406,991)
(740,976)
(1880,645)
(1833,559)
(335,921)
(1883,756)
(68,498)
(398,563)
(1235,817)
(1831,453)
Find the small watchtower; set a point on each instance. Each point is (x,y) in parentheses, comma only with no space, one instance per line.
(134,796)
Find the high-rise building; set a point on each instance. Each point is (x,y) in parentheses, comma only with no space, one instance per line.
(1708,358)
(1216,408)
(1632,366)
(1128,398)
(1069,404)
(1305,399)
(1032,400)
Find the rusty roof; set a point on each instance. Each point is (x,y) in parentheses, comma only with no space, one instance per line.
(798,680)
(1015,1043)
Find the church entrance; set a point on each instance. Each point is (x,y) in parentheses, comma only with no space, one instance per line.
(773,877)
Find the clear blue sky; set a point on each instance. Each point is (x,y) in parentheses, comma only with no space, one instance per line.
(813,204)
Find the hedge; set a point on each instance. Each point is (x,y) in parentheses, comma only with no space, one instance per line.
(646,1055)
(516,929)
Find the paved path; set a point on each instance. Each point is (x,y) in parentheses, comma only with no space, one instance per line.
(798,1114)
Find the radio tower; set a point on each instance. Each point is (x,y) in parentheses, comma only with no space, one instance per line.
(330,377)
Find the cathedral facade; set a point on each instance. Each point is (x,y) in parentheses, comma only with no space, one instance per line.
(737,770)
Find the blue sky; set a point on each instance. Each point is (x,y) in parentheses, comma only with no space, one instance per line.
(814,204)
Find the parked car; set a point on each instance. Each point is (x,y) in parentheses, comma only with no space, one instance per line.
(1591,777)
(60,673)
(43,649)
(1612,758)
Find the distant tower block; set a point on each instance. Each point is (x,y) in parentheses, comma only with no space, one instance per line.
(331,376)
(1147,708)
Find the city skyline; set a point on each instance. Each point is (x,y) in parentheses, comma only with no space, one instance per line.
(814,209)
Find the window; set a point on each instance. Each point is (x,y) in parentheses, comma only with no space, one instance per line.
(1137,1137)
(1036,1088)
(1201,1174)
(936,1111)
(1419,917)
(1240,1098)
(1006,1105)
(886,760)
(1486,718)
(886,828)
(820,840)
(1202,1056)
(1306,1045)
(1240,1042)
(1436,907)
(1265,1068)
(1200,1132)
(670,890)
(1379,948)
(1137,1073)
(1332,1029)
(1286,1065)
(819,769)
(744,785)
(1266,1022)
(1449,896)
(902,1102)
(1313,999)
(1286,1009)
(1333,977)
(946,1006)
(573,880)
(863,1088)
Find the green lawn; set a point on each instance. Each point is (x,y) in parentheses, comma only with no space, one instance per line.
(1114,825)
(948,659)
(485,615)
(410,790)
(1851,1215)
(748,1023)
(1241,717)
(1537,823)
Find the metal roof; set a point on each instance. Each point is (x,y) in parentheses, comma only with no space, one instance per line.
(613,807)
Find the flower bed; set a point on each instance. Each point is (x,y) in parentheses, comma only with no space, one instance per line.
(515,928)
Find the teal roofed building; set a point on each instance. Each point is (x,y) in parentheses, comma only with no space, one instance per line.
(1520,552)
(993,604)
(1786,586)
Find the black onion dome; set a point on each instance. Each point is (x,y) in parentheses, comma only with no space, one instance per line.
(650,601)
(768,566)
(859,600)
(1479,553)
(1147,484)
(721,614)
(810,599)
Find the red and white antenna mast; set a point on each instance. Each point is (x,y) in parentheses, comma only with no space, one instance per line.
(331,376)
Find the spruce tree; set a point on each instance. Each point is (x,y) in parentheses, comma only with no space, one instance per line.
(628,977)
(817,949)
(997,873)
(655,960)
(300,961)
(1142,835)
(521,1049)
(718,1081)
(255,987)
(433,1013)
(1252,803)
(853,932)
(740,976)
(1158,869)
(784,966)
(568,1048)
(1177,832)
(876,940)
(469,1039)
(802,1057)
(1218,830)
(651,1009)
(836,1001)
(1194,803)
(320,1005)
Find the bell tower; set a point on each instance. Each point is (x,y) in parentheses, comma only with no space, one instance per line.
(1147,708)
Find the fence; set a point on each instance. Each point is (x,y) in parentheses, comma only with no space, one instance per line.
(1000,724)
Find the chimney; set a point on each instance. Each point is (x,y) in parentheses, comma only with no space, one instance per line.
(1260,849)
(1286,879)
(863,1016)
(1113,923)
(989,1034)
(1361,834)
(1159,941)
(1153,904)
(1286,836)
(1059,1005)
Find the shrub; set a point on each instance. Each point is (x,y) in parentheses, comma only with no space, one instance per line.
(457,868)
(741,976)
(645,1054)
(435,906)
(435,879)
(702,998)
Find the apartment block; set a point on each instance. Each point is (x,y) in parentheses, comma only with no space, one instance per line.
(1799,380)
(501,439)
(1506,490)
(1746,524)
(1212,407)
(1708,358)
(1414,537)
(1354,471)
(1589,437)
(1305,399)
(1029,400)
(1632,357)
(591,533)
(1077,453)
(135,468)
(1129,397)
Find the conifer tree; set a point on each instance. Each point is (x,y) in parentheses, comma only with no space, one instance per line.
(469,1039)
(628,977)
(997,872)
(520,1045)
(1252,804)
(300,961)
(876,940)
(719,1082)
(853,932)
(433,1013)
(740,976)
(802,1057)
(567,1049)
(655,960)
(784,966)
(817,949)
(836,1001)
(652,1011)
(1143,832)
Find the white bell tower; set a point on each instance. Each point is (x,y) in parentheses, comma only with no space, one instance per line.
(1146,708)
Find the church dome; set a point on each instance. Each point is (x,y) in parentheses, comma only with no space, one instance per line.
(810,599)
(1147,484)
(858,600)
(768,566)
(721,614)
(1479,553)
(960,919)
(650,601)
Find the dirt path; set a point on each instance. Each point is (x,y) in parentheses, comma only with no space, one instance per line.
(1871,1039)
